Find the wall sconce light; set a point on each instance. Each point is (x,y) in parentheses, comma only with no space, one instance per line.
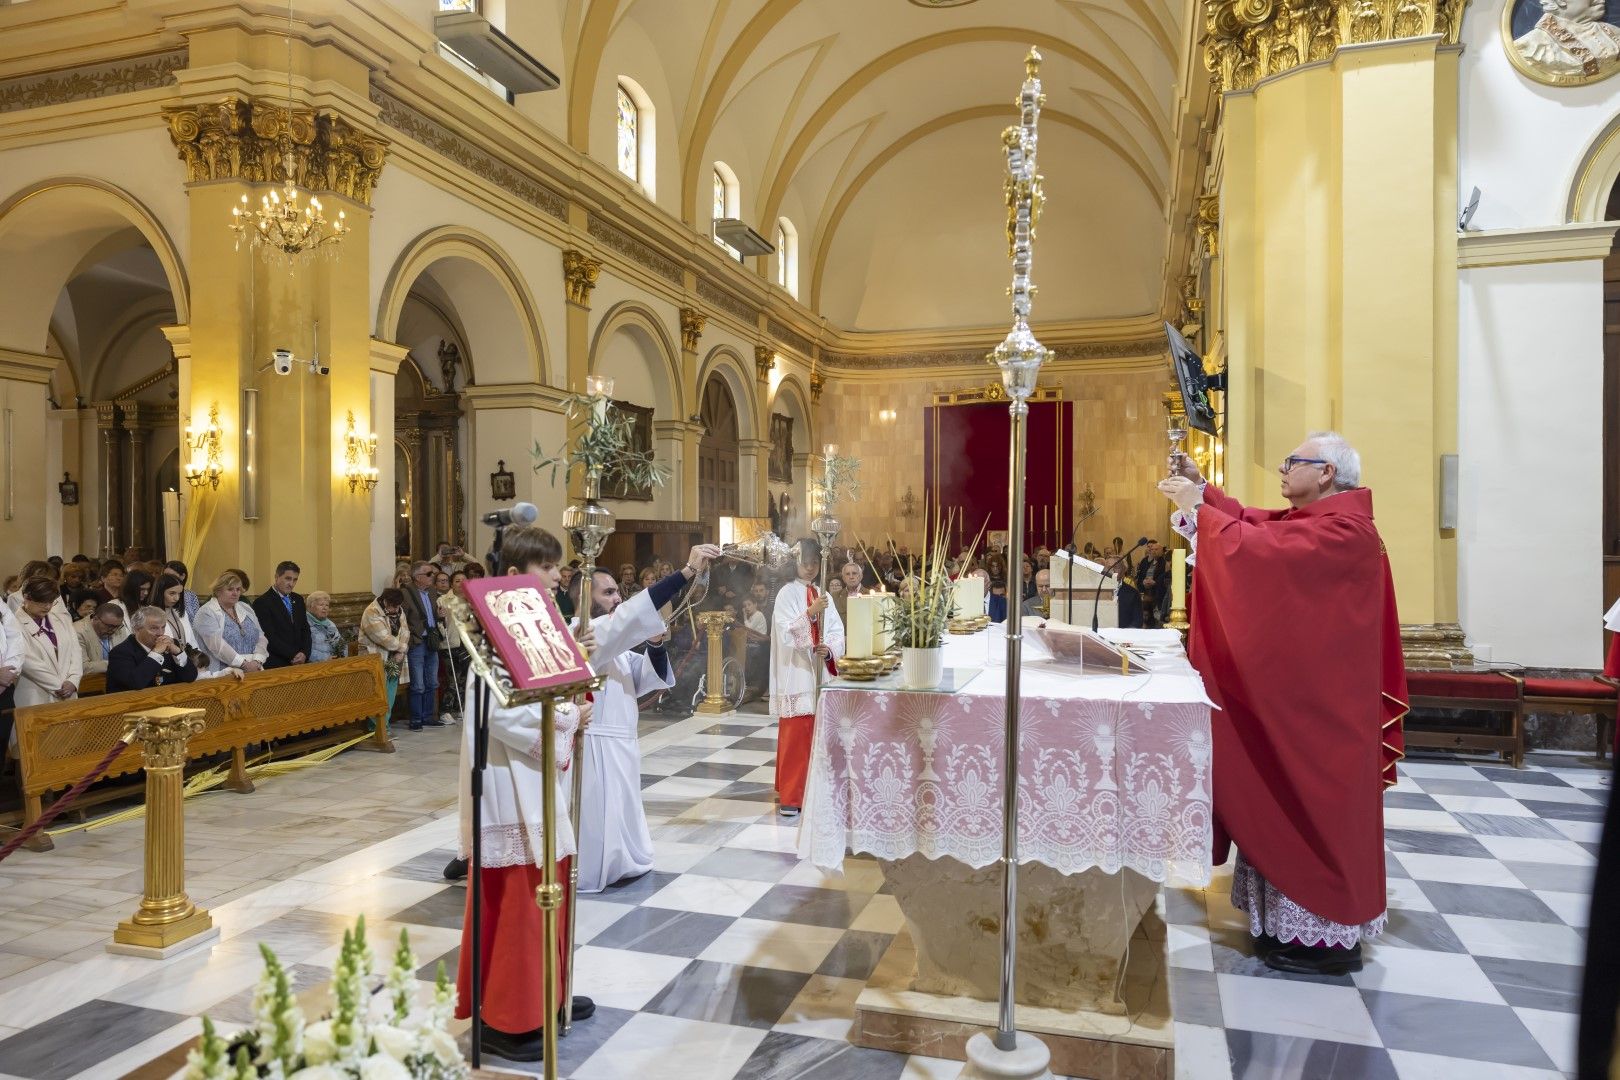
(68,489)
(359,453)
(502,484)
(887,416)
(205,465)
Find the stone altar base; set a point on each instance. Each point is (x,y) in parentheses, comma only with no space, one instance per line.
(936,985)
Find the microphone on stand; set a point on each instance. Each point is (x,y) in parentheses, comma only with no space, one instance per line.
(518,514)
(1096,602)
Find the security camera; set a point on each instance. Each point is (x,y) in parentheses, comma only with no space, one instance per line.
(318,368)
(283,360)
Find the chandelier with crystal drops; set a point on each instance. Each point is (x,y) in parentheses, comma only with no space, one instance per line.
(280,227)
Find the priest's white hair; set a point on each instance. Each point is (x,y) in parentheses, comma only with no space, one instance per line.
(1332,448)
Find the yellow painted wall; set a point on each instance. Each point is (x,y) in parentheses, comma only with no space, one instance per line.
(1339,255)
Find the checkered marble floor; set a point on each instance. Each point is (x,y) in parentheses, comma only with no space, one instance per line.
(733,959)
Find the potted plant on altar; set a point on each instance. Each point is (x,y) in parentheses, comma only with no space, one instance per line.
(379,1030)
(917,622)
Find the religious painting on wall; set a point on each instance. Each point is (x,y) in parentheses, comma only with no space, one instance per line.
(614,484)
(1563,42)
(781,463)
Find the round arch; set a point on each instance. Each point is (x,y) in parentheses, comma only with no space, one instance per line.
(641,322)
(51,227)
(792,397)
(1595,176)
(463,264)
(723,361)
(151,314)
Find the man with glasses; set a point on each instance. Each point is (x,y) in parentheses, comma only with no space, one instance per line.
(1295,633)
(426,639)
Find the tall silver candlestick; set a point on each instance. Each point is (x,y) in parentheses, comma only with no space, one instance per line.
(1012,1053)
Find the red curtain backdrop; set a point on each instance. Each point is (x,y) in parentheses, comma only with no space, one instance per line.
(966,453)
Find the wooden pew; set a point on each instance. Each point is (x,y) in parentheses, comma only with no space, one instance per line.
(59,743)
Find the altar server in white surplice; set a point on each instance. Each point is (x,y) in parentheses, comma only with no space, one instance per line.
(798,647)
(615,843)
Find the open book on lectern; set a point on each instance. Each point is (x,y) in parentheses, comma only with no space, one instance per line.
(1077,646)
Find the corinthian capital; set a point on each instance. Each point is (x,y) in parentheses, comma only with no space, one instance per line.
(580,272)
(258,141)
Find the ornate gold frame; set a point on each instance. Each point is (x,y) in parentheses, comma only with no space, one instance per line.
(1534,73)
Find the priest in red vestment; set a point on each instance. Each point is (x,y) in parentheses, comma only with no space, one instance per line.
(1295,633)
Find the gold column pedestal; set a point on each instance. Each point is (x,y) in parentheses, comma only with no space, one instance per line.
(715,622)
(166,917)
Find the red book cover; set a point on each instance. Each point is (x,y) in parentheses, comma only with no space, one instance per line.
(527,632)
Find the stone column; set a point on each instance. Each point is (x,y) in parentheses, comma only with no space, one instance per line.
(111,458)
(1339,260)
(764,363)
(24,382)
(246,304)
(136,512)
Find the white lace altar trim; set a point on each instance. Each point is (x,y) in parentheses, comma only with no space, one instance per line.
(1272,913)
(1103,784)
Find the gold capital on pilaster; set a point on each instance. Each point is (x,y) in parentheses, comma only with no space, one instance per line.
(580,272)
(1209,223)
(1247,40)
(248,139)
(818,382)
(692,323)
(1191,302)
(764,359)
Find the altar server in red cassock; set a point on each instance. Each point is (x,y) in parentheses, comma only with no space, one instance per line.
(514,843)
(1295,633)
(806,633)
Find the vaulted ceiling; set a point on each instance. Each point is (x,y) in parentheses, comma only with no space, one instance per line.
(873,126)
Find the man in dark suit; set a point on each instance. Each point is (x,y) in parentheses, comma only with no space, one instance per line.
(148,657)
(1153,584)
(423,654)
(281,616)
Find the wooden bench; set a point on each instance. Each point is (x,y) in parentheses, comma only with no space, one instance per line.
(1577,697)
(57,744)
(1476,691)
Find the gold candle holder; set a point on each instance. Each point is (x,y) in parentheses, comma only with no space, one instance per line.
(166,919)
(714,702)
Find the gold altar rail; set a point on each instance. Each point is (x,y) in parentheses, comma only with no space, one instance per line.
(60,742)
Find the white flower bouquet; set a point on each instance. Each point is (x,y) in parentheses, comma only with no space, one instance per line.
(380,1029)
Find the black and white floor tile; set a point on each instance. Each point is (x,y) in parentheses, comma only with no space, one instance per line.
(734,960)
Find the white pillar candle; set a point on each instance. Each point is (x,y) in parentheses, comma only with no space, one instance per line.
(969,597)
(1178,579)
(882,636)
(860,621)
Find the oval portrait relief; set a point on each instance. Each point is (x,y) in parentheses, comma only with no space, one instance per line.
(1563,42)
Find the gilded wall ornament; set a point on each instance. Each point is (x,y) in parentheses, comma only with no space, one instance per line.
(818,383)
(90,81)
(1247,40)
(764,360)
(692,323)
(580,272)
(1562,42)
(1209,223)
(243,139)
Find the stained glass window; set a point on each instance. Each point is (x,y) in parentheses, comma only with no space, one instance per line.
(629,148)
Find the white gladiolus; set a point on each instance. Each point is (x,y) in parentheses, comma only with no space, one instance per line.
(442,1045)
(320,1072)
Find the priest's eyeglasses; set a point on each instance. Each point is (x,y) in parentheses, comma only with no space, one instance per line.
(1290,463)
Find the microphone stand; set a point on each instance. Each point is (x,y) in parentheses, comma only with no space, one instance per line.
(1096,601)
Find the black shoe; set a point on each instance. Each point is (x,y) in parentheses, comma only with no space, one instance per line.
(455,870)
(417,727)
(788,812)
(432,722)
(1297,959)
(530,1046)
(1265,945)
(584,1009)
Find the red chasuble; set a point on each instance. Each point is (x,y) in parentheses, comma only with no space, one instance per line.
(1297,639)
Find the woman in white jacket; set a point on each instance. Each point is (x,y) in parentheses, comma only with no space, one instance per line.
(383,631)
(52,659)
(228,632)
